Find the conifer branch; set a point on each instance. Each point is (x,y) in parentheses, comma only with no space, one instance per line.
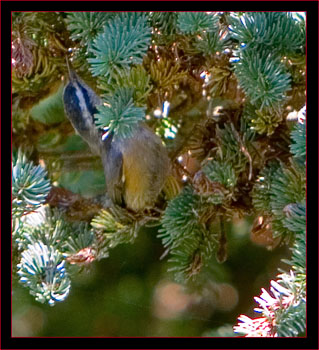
(118,114)
(123,42)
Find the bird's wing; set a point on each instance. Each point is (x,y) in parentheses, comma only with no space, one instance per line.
(112,159)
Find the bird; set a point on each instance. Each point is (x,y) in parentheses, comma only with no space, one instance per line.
(80,105)
(135,167)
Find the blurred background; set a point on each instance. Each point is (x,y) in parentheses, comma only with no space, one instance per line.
(132,294)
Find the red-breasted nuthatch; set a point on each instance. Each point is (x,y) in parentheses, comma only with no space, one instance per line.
(136,167)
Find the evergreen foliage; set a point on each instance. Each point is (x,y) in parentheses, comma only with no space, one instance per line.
(281,190)
(298,147)
(186,235)
(288,186)
(30,186)
(42,270)
(195,22)
(118,114)
(36,51)
(82,236)
(210,43)
(263,78)
(295,221)
(164,73)
(217,88)
(264,121)
(164,26)
(229,143)
(180,218)
(85,26)
(123,42)
(113,231)
(293,322)
(137,79)
(276,32)
(223,174)
(44,226)
(261,190)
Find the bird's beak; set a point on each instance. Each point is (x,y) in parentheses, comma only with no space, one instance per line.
(72,74)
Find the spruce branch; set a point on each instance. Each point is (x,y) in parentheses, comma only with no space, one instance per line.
(243,149)
(79,247)
(112,228)
(281,191)
(261,189)
(20,117)
(118,114)
(165,74)
(262,77)
(81,237)
(231,147)
(123,42)
(30,185)
(137,79)
(164,27)
(187,236)
(298,147)
(85,26)
(295,221)
(288,186)
(293,322)
(295,217)
(191,256)
(165,22)
(219,79)
(42,270)
(224,174)
(210,43)
(283,311)
(273,31)
(37,47)
(265,120)
(196,22)
(43,225)
(180,217)
(276,189)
